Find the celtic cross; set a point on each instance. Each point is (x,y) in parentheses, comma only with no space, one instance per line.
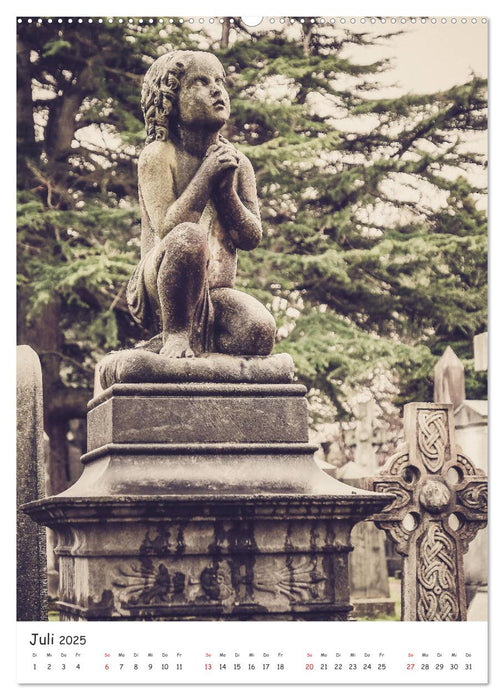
(441,503)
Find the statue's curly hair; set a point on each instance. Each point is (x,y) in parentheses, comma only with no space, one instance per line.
(159,93)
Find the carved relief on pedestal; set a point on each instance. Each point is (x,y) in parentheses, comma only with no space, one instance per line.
(167,585)
(216,584)
(137,587)
(299,582)
(162,583)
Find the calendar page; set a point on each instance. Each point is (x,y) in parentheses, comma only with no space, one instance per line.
(252,350)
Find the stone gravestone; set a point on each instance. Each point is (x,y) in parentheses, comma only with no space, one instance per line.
(481,352)
(31,562)
(471,433)
(449,383)
(369,586)
(52,559)
(200,497)
(440,504)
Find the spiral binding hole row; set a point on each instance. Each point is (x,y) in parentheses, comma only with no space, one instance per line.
(271,20)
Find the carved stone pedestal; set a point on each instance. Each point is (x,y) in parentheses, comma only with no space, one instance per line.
(203,502)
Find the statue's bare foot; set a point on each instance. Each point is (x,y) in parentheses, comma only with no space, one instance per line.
(177,345)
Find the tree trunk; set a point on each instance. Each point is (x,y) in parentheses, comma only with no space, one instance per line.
(63,110)
(307,36)
(26,144)
(60,129)
(224,42)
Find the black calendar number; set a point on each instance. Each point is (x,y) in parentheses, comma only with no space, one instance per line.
(69,639)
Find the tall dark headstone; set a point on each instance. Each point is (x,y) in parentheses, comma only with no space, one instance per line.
(31,545)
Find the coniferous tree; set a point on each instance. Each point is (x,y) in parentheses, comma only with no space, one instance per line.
(374,253)
(79,131)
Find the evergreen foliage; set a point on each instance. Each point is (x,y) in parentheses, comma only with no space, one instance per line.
(373,235)
(374,250)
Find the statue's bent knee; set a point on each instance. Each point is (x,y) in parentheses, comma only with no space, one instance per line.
(186,243)
(263,332)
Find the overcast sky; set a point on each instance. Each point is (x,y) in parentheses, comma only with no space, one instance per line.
(430,57)
(426,57)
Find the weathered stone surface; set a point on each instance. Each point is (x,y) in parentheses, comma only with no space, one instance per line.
(368,572)
(201,438)
(440,504)
(200,416)
(449,382)
(31,549)
(198,204)
(373,608)
(471,433)
(139,365)
(481,352)
(200,529)
(206,558)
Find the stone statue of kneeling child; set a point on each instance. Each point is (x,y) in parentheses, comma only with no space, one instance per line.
(198,205)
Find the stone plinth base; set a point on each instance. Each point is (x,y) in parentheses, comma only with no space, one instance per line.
(203,501)
(201,438)
(140,366)
(173,558)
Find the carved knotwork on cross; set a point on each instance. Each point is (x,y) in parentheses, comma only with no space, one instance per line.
(441,503)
